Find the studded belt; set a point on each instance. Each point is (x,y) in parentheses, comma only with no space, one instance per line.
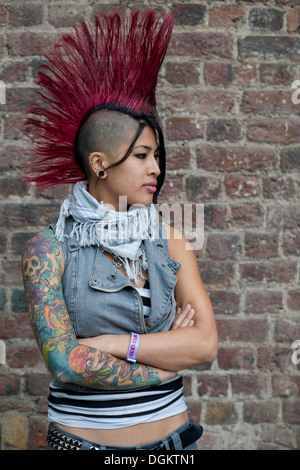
(60,441)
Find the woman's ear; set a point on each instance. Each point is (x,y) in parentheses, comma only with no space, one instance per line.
(97,163)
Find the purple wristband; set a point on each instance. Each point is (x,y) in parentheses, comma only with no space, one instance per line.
(133,347)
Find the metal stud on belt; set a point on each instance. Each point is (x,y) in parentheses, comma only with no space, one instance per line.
(60,441)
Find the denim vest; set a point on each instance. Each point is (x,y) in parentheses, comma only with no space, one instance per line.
(102,300)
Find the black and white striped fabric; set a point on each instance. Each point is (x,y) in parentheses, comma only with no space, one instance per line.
(145,295)
(114,409)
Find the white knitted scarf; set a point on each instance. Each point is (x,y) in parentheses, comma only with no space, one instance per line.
(119,233)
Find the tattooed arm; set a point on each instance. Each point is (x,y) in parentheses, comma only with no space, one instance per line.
(65,357)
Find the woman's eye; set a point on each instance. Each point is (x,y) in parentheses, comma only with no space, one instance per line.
(141,155)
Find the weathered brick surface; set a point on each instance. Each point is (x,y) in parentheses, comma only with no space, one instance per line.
(232,132)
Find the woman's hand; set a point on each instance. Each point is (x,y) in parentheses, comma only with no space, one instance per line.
(183,317)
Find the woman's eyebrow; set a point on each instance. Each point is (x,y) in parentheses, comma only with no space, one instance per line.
(146,147)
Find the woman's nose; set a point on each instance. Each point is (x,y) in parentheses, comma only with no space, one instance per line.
(154,166)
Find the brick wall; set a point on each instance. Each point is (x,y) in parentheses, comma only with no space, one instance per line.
(232,129)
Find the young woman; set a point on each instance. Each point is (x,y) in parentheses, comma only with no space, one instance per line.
(115,297)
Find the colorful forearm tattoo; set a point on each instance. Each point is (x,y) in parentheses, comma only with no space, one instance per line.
(67,360)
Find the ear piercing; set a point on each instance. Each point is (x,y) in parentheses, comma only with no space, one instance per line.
(101,173)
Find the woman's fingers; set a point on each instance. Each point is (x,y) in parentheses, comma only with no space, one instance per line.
(183,317)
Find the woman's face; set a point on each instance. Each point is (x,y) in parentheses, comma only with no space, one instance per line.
(135,178)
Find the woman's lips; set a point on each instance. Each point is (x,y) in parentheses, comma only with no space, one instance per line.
(150,187)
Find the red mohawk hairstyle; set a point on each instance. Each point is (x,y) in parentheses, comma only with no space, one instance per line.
(113,64)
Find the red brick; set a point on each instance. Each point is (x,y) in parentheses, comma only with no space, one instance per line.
(287,331)
(171,188)
(266,19)
(38,384)
(12,273)
(246,215)
(244,74)
(277,435)
(268,102)
(227,16)
(202,188)
(224,247)
(242,186)
(261,245)
(183,73)
(264,301)
(273,47)
(201,44)
(13,186)
(25,14)
(17,326)
(19,99)
(273,130)
(184,128)
(221,413)
(19,356)
(217,273)
(293,300)
(285,385)
(63,16)
(275,271)
(290,159)
(20,215)
(293,19)
(249,384)
(9,384)
(236,158)
(278,188)
(188,14)
(195,101)
(218,73)
(178,157)
(219,130)
(194,411)
(2,15)
(213,386)
(235,358)
(277,74)
(225,302)
(10,157)
(287,217)
(274,358)
(38,427)
(14,72)
(261,412)
(252,330)
(12,127)
(29,43)
(215,215)
(291,411)
(99,8)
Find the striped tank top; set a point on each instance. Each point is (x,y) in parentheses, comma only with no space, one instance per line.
(114,409)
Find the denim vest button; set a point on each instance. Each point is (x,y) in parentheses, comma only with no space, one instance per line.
(112,277)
